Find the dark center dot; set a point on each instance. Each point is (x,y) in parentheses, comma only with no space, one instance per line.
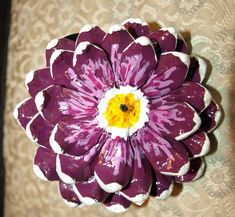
(123,107)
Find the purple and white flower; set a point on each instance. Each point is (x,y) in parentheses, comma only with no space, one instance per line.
(118,116)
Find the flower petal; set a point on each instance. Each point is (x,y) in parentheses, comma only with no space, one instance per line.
(58,44)
(89,192)
(210,117)
(115,41)
(39,130)
(90,33)
(162,186)
(93,69)
(171,71)
(197,144)
(193,93)
(182,45)
(138,61)
(71,169)
(61,69)
(197,167)
(114,168)
(166,38)
(25,111)
(44,164)
(70,198)
(167,157)
(175,120)
(38,80)
(138,189)
(136,27)
(197,69)
(63,102)
(74,137)
(117,203)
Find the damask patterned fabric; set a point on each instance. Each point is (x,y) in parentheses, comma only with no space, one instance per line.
(211,27)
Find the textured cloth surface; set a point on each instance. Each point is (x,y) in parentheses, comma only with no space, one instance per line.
(210,26)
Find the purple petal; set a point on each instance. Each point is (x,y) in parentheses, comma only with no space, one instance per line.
(197,70)
(58,44)
(182,45)
(74,137)
(92,34)
(117,203)
(196,170)
(193,93)
(175,120)
(39,130)
(162,186)
(61,69)
(137,62)
(171,71)
(64,102)
(166,38)
(71,169)
(167,157)
(93,68)
(136,27)
(45,164)
(38,80)
(210,117)
(114,168)
(25,111)
(89,192)
(197,144)
(70,198)
(115,41)
(137,191)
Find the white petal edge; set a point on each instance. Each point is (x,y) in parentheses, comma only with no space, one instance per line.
(143,40)
(52,43)
(170,30)
(165,194)
(116,208)
(197,121)
(183,170)
(115,28)
(205,147)
(16,112)
(202,67)
(200,171)
(139,199)
(87,28)
(85,200)
(217,119)
(53,143)
(29,78)
(183,57)
(110,188)
(70,204)
(38,172)
(28,131)
(135,20)
(64,177)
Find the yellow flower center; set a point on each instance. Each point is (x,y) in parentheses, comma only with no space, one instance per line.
(123,111)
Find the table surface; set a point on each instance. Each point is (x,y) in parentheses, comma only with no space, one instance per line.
(211,26)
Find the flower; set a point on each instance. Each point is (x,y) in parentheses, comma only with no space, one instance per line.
(118,116)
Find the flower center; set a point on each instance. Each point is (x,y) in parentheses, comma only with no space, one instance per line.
(123,111)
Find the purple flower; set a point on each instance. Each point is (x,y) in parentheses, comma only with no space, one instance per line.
(118,116)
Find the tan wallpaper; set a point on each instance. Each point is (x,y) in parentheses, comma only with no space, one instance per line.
(211,26)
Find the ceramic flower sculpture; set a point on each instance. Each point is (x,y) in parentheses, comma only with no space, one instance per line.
(118,116)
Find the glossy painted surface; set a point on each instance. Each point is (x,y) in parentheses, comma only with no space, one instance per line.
(61,115)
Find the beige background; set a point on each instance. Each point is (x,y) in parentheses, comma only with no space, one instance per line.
(211,27)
